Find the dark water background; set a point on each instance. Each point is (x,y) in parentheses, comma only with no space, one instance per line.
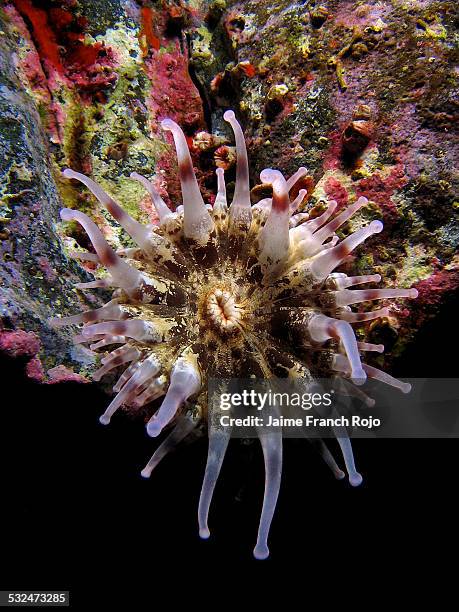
(75,513)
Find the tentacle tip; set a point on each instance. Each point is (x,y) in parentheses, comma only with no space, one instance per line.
(413,293)
(145,473)
(358,377)
(154,429)
(376,226)
(167,124)
(68,173)
(355,480)
(405,387)
(229,115)
(66,214)
(104,419)
(135,176)
(219,172)
(339,475)
(204,533)
(379,348)
(370,402)
(261,552)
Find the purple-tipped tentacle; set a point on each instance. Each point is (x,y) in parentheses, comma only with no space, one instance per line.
(218,443)
(197,223)
(317,222)
(124,275)
(117,358)
(272,452)
(359,317)
(346,297)
(220,203)
(142,331)
(184,426)
(296,177)
(329,229)
(160,205)
(111,311)
(185,381)
(326,262)
(367,346)
(322,449)
(342,281)
(355,479)
(298,200)
(148,368)
(274,237)
(386,378)
(136,230)
(322,328)
(241,198)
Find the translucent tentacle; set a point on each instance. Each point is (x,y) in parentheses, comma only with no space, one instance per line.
(241,198)
(355,479)
(136,230)
(327,261)
(342,281)
(185,381)
(272,451)
(322,328)
(184,426)
(106,341)
(329,229)
(135,328)
(126,375)
(124,275)
(197,223)
(147,369)
(296,177)
(386,378)
(218,443)
(298,200)
(102,283)
(84,256)
(155,389)
(317,222)
(322,449)
(160,205)
(220,204)
(346,297)
(110,311)
(274,237)
(366,346)
(359,317)
(341,364)
(125,355)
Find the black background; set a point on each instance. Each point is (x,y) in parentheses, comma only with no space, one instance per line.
(76,514)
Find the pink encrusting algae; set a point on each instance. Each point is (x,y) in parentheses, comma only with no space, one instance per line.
(227,291)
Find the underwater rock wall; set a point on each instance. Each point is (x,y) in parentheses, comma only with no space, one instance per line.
(364,94)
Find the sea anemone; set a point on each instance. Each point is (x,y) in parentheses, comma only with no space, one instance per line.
(226,292)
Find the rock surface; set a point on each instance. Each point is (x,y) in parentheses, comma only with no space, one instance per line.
(364,94)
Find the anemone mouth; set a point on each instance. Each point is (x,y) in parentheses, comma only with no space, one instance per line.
(223,310)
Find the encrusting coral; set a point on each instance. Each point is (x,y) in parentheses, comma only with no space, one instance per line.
(223,292)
